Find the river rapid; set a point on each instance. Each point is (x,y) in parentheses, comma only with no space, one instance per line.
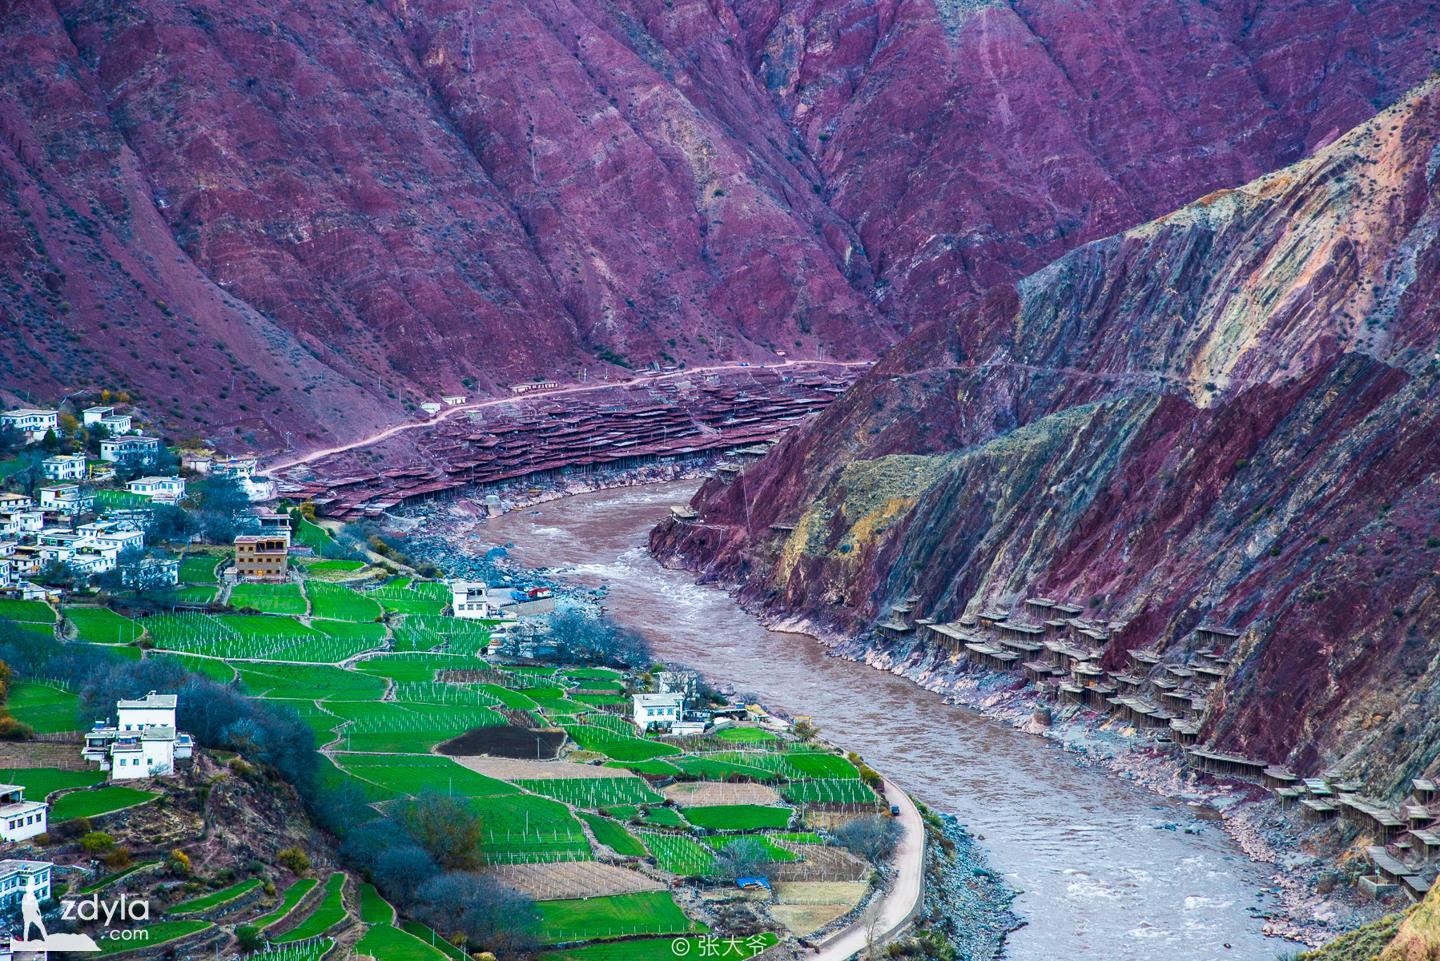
(1102,870)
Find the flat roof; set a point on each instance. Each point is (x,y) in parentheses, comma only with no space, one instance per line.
(150,700)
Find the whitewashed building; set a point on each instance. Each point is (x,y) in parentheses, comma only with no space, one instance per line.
(657,711)
(63,467)
(130,450)
(164,490)
(19,878)
(469,600)
(91,416)
(118,424)
(143,742)
(33,422)
(21,820)
(66,499)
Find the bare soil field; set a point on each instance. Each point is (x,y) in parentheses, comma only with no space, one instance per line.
(573,879)
(713,793)
(507,741)
(516,769)
(823,864)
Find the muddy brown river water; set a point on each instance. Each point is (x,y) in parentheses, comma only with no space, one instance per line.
(1101,877)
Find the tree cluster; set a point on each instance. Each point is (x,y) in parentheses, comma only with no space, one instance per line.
(423,855)
(581,637)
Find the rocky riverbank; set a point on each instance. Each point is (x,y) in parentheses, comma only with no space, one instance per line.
(1315,898)
(967,905)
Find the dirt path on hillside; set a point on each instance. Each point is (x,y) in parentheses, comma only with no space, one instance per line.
(449,412)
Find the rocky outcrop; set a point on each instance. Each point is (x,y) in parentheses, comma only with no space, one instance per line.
(1228,415)
(286,223)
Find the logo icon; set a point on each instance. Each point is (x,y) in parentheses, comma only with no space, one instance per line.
(30,912)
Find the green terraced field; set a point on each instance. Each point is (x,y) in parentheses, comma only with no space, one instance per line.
(654,768)
(313,681)
(250,637)
(773,850)
(341,603)
(818,764)
(594,792)
(211,668)
(613,835)
(660,816)
(26,612)
(197,594)
(314,537)
(100,625)
(334,567)
(374,909)
(328,913)
(385,942)
(523,828)
(215,898)
(617,746)
(398,598)
(738,817)
(417,667)
(93,803)
(723,769)
(395,728)
(680,855)
(269,598)
(40,782)
(835,791)
(368,631)
(417,773)
(616,916)
(48,710)
(200,568)
(292,896)
(747,735)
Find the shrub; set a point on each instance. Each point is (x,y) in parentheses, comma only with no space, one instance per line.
(294,860)
(117,858)
(249,937)
(178,863)
(96,842)
(13,730)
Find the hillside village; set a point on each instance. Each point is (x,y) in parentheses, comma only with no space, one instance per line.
(288,740)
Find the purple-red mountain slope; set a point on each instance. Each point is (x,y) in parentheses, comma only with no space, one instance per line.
(305,217)
(1229,415)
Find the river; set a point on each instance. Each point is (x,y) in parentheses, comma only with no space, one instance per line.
(1101,877)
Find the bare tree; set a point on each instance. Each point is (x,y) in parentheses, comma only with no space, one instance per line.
(742,858)
(872,838)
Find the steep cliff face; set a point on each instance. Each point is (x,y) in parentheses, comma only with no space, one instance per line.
(317,214)
(1227,415)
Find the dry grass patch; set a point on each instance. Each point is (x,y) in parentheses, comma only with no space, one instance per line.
(512,769)
(807,906)
(820,892)
(805,919)
(574,879)
(823,864)
(716,794)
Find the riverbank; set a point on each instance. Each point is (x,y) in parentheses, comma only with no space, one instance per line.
(1247,813)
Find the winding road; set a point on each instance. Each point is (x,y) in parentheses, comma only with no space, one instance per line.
(900,903)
